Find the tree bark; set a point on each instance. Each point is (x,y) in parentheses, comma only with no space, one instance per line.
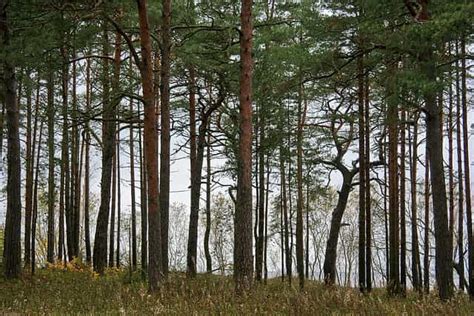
(459,144)
(467,178)
(207,232)
(108,151)
(12,238)
(243,260)
(87,166)
(165,131)
(155,265)
(51,187)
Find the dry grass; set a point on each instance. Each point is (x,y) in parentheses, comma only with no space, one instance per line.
(76,290)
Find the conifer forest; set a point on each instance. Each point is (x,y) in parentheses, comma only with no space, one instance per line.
(247,157)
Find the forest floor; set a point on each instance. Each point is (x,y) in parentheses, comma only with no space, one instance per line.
(77,290)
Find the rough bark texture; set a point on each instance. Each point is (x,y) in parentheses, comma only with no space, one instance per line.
(243,260)
(165,131)
(155,267)
(12,238)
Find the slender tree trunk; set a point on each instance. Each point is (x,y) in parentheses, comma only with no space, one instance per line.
(299,181)
(113,205)
(87,166)
(35,204)
(155,266)
(132,181)
(459,154)
(467,172)
(362,176)
(195,182)
(416,268)
(12,237)
(394,228)
(108,150)
(426,257)
(165,131)
(65,196)
(207,233)
(403,242)
(243,260)
(285,214)
(75,183)
(51,187)
(143,203)
(119,211)
(368,216)
(261,196)
(30,154)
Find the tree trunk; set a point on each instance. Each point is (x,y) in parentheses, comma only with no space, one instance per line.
(155,266)
(403,243)
(426,257)
(195,182)
(132,184)
(394,228)
(459,154)
(416,268)
(207,233)
(113,205)
(299,201)
(30,154)
(51,188)
(119,211)
(467,172)
(329,267)
(362,176)
(35,204)
(368,216)
(243,260)
(165,131)
(12,239)
(75,183)
(108,150)
(87,166)
(285,214)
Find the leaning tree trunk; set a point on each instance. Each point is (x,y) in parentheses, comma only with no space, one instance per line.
(108,150)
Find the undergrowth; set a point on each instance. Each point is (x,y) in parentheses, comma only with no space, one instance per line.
(74,289)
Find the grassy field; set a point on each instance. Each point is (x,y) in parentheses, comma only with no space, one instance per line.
(77,290)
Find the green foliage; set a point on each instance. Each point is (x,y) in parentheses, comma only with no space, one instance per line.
(69,291)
